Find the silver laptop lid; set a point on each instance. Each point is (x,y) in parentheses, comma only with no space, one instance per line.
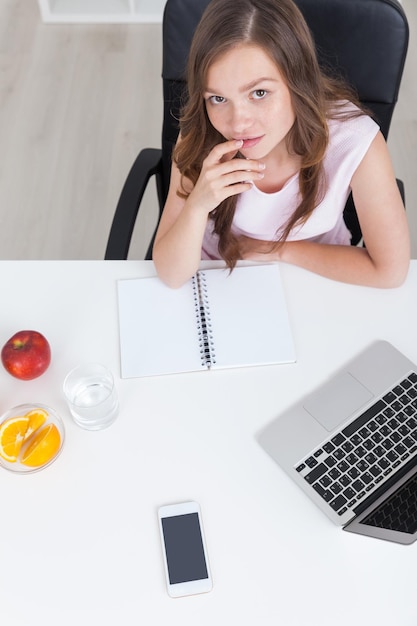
(317,438)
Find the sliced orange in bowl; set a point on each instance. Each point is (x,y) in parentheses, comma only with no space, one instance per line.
(37,418)
(12,435)
(31,437)
(42,446)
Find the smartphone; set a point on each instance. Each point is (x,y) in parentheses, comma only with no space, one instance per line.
(185,555)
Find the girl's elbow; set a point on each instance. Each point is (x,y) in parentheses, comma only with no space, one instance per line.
(395,277)
(169,278)
(170,275)
(172,281)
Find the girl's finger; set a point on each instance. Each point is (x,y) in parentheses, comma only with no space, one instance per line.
(241,165)
(224,151)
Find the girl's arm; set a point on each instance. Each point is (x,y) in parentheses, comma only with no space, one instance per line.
(177,248)
(385,260)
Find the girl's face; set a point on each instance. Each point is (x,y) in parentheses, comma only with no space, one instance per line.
(247,98)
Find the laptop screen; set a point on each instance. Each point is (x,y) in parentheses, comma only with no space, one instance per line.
(394,515)
(399,511)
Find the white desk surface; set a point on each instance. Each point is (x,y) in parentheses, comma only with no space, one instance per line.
(79,541)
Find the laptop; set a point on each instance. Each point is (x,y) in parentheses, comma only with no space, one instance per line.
(351,445)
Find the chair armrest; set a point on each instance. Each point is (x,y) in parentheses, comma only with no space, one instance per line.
(401,189)
(147,164)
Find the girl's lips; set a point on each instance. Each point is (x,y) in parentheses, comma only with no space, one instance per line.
(250,143)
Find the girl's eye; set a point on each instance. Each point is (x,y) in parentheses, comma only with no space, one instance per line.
(217,99)
(259,94)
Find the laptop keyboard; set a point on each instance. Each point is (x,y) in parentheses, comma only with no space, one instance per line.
(399,512)
(350,465)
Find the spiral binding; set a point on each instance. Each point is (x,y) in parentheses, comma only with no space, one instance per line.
(203,319)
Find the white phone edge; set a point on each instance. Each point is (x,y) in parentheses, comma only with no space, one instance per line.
(194,586)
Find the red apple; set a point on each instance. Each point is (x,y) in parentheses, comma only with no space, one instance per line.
(26,355)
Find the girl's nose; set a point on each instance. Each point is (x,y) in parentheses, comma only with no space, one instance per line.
(240,120)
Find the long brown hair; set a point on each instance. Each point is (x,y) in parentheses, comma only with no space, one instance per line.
(278,27)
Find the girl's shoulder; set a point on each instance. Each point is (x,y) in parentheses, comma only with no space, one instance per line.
(347,116)
(349,126)
(351,132)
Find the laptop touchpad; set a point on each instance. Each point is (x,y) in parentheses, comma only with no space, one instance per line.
(332,404)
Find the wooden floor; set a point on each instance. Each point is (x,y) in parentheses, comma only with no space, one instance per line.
(77,103)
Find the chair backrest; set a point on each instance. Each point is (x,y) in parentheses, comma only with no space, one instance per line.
(365,41)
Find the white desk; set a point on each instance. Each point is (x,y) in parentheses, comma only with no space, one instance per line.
(79,541)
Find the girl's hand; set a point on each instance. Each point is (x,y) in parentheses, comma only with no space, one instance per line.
(223,176)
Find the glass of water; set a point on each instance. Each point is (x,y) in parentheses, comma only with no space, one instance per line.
(91,396)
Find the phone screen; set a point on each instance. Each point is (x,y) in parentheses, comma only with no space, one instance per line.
(184,548)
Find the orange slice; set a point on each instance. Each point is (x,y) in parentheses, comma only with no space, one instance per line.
(12,435)
(42,446)
(37,418)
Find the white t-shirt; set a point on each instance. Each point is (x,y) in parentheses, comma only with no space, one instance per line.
(263,215)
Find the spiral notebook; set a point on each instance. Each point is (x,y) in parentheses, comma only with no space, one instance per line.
(216,320)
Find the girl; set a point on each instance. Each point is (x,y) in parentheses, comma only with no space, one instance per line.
(268,152)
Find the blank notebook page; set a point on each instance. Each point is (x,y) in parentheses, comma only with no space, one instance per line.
(249,320)
(157,328)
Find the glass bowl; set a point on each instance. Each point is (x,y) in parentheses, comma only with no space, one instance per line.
(31,438)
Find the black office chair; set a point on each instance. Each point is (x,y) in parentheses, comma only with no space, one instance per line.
(365,41)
